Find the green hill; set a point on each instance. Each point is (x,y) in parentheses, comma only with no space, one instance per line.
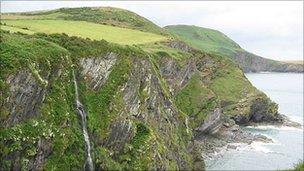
(213,41)
(101,15)
(82,29)
(208,39)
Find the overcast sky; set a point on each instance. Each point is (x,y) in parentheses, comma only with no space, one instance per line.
(270,29)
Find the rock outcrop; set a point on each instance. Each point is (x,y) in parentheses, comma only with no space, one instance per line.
(96,70)
(26,95)
(211,123)
(253,63)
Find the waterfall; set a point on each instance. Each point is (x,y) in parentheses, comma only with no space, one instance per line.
(88,165)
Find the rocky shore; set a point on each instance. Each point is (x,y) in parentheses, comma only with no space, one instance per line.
(230,134)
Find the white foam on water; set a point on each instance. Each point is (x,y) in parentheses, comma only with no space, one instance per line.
(254,146)
(237,144)
(296,119)
(258,146)
(282,128)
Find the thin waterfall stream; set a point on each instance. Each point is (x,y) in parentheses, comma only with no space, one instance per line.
(88,163)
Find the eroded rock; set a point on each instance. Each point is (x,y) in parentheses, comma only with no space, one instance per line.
(95,70)
(25,97)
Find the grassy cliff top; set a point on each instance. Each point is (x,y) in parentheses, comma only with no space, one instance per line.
(82,29)
(101,15)
(18,52)
(203,38)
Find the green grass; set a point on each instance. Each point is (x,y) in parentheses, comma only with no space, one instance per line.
(205,39)
(195,100)
(298,167)
(98,102)
(100,15)
(230,85)
(215,42)
(83,29)
(137,153)
(160,49)
(102,105)
(104,161)
(57,123)
(18,51)
(16,29)
(15,16)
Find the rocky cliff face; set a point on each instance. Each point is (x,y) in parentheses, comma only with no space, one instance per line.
(253,63)
(144,110)
(213,41)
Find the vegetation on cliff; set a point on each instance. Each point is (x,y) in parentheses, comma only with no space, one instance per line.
(58,107)
(55,129)
(298,167)
(213,41)
(143,101)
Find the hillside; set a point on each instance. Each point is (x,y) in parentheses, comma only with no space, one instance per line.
(100,15)
(213,41)
(72,103)
(81,29)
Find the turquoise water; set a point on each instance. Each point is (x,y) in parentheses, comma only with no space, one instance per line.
(286,89)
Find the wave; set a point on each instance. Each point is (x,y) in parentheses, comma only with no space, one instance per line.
(280,128)
(258,146)
(296,119)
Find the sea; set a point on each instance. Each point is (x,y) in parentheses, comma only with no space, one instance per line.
(286,89)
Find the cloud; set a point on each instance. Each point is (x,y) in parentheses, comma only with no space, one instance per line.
(270,29)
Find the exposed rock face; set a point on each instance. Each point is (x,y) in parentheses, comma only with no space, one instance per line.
(253,63)
(219,43)
(175,75)
(25,97)
(212,123)
(44,149)
(179,45)
(96,69)
(143,100)
(260,110)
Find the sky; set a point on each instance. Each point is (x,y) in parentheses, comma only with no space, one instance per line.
(272,29)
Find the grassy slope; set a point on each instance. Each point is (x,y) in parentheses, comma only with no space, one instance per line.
(230,83)
(15,52)
(82,29)
(213,41)
(160,49)
(205,39)
(102,15)
(16,29)
(295,62)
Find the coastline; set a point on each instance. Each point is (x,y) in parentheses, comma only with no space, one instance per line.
(234,137)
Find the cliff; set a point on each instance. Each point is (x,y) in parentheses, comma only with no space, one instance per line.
(144,106)
(143,109)
(213,41)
